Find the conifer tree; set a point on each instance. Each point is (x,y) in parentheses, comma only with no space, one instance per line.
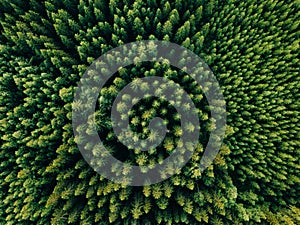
(252,49)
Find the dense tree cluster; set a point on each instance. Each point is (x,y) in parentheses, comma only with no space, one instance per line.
(253,50)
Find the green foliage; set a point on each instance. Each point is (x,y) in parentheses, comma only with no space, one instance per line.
(253,50)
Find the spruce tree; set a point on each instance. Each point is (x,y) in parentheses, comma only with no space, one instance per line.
(252,49)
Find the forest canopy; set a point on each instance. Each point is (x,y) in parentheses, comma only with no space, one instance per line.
(252,48)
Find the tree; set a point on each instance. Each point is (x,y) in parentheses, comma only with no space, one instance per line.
(252,49)
(167,28)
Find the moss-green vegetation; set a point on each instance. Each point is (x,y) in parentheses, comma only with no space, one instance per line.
(251,46)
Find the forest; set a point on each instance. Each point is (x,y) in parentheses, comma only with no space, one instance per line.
(252,49)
